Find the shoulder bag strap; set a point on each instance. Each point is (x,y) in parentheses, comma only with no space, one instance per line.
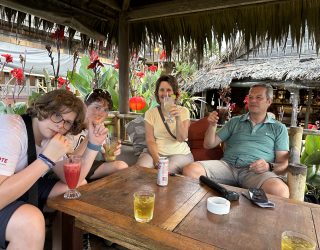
(165,124)
(32,156)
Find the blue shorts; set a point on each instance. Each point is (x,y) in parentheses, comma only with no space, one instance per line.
(45,185)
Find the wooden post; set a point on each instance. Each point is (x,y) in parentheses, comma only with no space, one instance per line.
(123,63)
(295,134)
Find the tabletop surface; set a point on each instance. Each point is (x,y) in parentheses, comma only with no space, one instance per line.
(181,219)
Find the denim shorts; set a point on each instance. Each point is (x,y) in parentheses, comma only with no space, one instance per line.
(45,185)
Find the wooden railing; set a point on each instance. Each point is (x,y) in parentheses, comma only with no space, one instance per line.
(116,123)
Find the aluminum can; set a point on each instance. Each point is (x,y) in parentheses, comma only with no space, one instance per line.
(163,171)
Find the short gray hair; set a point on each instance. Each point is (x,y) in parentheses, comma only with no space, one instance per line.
(267,86)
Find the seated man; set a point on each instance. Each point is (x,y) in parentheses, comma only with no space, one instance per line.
(256,148)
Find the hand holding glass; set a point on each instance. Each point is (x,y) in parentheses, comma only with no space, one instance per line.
(110,147)
(143,202)
(72,168)
(223,113)
(168,104)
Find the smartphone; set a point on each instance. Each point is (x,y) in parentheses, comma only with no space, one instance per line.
(257,195)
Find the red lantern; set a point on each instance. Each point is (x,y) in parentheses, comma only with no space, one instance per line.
(137,103)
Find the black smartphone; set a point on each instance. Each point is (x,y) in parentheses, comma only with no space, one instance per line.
(257,195)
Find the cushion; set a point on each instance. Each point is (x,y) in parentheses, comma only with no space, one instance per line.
(196,134)
(136,132)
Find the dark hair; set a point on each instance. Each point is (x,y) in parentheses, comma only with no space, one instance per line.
(62,101)
(99,95)
(173,83)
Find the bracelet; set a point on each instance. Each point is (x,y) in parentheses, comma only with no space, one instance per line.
(93,147)
(46,160)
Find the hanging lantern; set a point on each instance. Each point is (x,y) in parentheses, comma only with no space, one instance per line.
(137,103)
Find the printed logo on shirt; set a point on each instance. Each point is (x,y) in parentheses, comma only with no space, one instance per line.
(3,161)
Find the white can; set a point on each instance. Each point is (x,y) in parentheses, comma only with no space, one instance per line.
(163,171)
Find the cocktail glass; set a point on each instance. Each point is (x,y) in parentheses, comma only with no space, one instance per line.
(72,168)
(293,240)
(110,147)
(168,104)
(143,203)
(223,113)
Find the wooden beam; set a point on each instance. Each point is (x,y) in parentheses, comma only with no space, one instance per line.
(182,7)
(113,4)
(125,5)
(67,16)
(123,63)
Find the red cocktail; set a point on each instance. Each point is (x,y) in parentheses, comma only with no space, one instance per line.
(72,168)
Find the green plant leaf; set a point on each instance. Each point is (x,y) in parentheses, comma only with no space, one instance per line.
(19,108)
(313,159)
(312,144)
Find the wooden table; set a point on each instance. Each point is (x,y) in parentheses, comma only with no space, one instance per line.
(181,219)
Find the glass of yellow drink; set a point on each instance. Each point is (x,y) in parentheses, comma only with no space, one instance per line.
(143,204)
(168,104)
(110,147)
(294,241)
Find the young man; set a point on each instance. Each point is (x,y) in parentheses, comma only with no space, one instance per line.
(256,147)
(51,116)
(98,103)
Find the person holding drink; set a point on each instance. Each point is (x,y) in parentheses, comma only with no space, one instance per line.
(167,136)
(255,148)
(97,104)
(49,118)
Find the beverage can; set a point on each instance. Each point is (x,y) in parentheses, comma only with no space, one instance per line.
(163,171)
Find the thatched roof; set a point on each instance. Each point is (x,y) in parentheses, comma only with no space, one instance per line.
(196,21)
(284,71)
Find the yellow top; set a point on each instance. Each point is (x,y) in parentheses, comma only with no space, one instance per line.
(166,144)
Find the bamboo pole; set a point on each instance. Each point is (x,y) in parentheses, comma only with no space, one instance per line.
(295,135)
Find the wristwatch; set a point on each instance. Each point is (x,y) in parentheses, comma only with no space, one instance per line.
(271,166)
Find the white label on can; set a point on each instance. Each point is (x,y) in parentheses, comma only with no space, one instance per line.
(163,172)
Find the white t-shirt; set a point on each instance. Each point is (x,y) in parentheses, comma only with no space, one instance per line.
(14,144)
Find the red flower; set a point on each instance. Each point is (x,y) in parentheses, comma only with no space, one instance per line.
(137,103)
(116,66)
(246,99)
(311,126)
(63,82)
(18,74)
(163,55)
(232,106)
(58,34)
(8,57)
(140,74)
(153,68)
(95,61)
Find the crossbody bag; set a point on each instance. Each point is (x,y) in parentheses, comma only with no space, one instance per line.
(165,124)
